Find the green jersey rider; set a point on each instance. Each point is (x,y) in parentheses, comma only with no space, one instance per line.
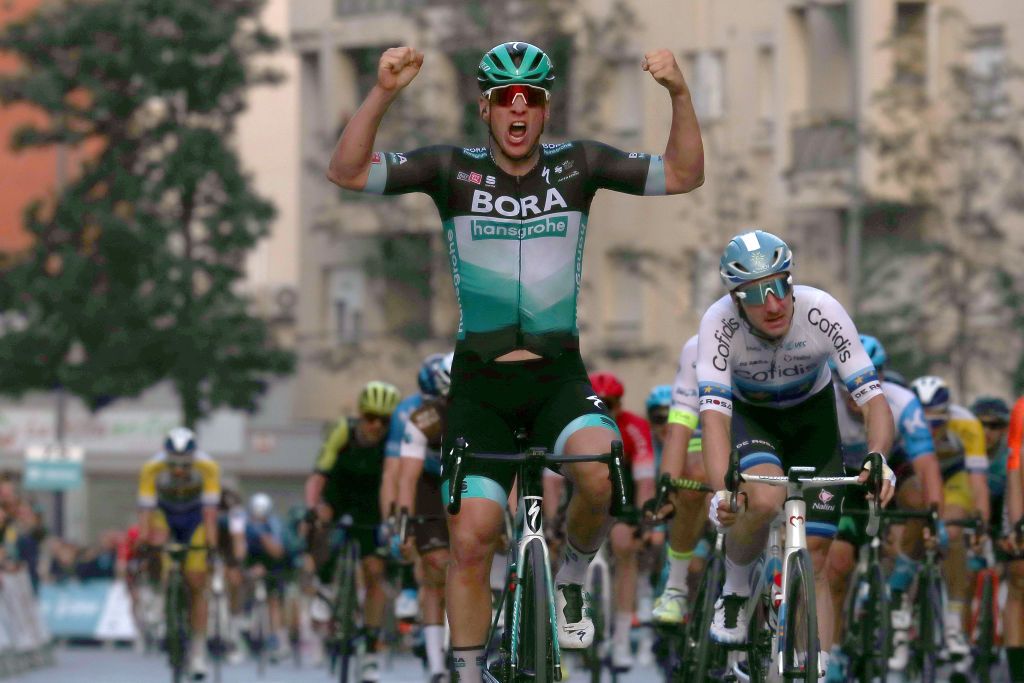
(514,218)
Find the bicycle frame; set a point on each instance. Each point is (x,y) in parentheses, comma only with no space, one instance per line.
(794,521)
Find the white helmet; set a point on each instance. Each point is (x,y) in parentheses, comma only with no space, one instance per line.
(260,505)
(932,391)
(180,441)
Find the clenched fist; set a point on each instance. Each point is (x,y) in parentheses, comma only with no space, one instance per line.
(661,64)
(397,67)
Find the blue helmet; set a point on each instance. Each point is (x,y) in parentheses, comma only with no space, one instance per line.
(932,391)
(660,397)
(425,378)
(752,256)
(875,350)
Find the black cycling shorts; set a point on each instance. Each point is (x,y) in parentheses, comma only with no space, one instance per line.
(550,397)
(805,435)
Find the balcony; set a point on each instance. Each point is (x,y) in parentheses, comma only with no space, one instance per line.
(822,141)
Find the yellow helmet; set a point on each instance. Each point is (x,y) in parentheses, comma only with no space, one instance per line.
(379,398)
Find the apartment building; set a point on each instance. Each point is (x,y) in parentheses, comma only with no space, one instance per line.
(781,89)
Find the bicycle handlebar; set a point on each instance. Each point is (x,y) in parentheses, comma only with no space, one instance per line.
(538,457)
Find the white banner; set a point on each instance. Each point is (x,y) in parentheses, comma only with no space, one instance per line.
(117,431)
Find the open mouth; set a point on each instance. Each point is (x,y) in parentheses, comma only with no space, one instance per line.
(517,131)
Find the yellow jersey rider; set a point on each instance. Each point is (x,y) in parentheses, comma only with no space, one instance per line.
(183,483)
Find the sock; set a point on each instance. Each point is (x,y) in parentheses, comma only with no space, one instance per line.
(433,635)
(574,565)
(468,664)
(737,578)
(678,569)
(623,625)
(1015,658)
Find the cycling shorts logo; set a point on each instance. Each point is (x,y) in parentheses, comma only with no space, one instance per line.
(825,496)
(465,487)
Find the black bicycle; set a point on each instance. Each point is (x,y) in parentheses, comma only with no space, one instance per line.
(176,609)
(528,649)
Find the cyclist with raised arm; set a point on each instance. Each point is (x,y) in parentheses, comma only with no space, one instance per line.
(682,458)
(419,492)
(183,483)
(960,446)
(918,485)
(1013,544)
(515,216)
(766,391)
(347,481)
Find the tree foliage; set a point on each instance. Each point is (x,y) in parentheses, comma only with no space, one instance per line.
(132,274)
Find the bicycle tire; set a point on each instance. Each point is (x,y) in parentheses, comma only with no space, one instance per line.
(699,649)
(592,655)
(346,606)
(262,610)
(759,648)
(985,640)
(537,660)
(930,626)
(800,649)
(873,630)
(177,638)
(219,646)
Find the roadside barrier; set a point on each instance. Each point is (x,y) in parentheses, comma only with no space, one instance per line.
(25,642)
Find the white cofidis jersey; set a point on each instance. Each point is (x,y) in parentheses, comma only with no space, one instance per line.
(685,410)
(733,362)
(913,438)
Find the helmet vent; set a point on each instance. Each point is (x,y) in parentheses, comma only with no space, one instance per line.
(737,266)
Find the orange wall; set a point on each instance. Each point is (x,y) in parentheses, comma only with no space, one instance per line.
(24,176)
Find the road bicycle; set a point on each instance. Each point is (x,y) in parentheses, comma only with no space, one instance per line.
(783,642)
(176,609)
(528,649)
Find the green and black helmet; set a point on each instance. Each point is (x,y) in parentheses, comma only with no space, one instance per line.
(515,64)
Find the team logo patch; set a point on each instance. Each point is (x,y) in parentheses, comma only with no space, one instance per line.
(475,178)
(490,181)
(376,158)
(462,175)
(824,496)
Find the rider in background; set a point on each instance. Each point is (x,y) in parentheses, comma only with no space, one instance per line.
(625,544)
(407,601)
(347,481)
(682,458)
(266,557)
(1013,545)
(963,459)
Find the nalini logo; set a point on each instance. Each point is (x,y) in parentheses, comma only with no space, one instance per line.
(491,229)
(825,497)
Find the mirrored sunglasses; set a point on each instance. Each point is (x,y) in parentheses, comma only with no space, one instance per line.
(505,96)
(757,293)
(373,417)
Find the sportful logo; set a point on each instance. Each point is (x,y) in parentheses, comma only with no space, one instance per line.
(494,229)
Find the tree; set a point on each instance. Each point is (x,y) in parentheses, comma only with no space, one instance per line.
(938,299)
(132,273)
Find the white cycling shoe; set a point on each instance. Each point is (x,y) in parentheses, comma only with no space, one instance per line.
(729,625)
(573,614)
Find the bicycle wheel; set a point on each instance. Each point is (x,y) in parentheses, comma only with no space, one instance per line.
(596,586)
(873,629)
(800,649)
(177,635)
(536,662)
(930,626)
(985,630)
(699,650)
(261,632)
(346,607)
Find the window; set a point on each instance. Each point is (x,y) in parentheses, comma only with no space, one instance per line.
(987,72)
(910,44)
(346,295)
(708,69)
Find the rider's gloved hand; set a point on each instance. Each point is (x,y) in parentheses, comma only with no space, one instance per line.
(719,510)
(888,478)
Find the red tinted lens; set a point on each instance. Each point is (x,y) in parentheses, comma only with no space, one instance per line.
(505,96)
